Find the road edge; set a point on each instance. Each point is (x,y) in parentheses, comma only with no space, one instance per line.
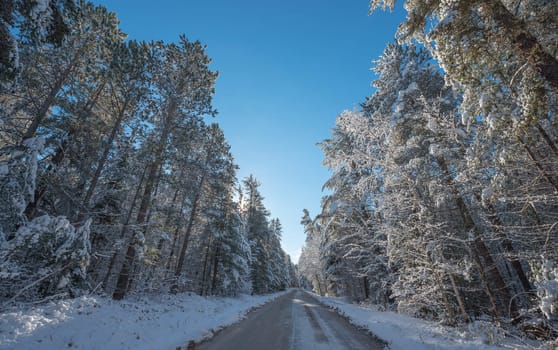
(349,319)
(191,344)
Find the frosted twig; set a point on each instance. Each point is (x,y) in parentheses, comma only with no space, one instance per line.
(516,73)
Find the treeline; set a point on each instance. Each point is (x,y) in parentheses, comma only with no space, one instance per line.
(112,178)
(444,189)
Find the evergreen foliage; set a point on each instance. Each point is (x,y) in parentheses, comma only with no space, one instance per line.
(443,189)
(112,180)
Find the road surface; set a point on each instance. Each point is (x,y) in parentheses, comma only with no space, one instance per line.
(291,322)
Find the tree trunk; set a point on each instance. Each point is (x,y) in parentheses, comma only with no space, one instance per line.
(204,271)
(161,242)
(172,250)
(124,279)
(547,138)
(366,288)
(510,250)
(538,164)
(459,299)
(104,156)
(158,160)
(215,265)
(124,275)
(191,220)
(178,226)
(480,251)
(449,314)
(59,156)
(153,202)
(51,97)
(486,286)
(319,284)
(124,230)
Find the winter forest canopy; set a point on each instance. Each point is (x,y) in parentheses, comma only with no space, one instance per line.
(113,178)
(442,201)
(443,195)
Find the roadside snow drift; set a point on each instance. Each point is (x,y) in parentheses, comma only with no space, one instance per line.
(403,332)
(162,322)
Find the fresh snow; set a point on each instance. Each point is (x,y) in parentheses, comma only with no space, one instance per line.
(546,281)
(92,322)
(402,332)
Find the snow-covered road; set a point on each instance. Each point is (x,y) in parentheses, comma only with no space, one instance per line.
(293,321)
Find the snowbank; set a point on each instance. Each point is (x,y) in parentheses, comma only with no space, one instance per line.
(162,322)
(403,332)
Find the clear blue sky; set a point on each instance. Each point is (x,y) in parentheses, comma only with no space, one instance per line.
(287,68)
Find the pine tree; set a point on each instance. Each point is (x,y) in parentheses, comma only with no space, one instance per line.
(309,264)
(268,265)
(39,22)
(184,86)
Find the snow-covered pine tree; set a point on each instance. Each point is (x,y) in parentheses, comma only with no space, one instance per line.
(352,248)
(225,268)
(43,258)
(41,22)
(501,57)
(184,85)
(256,225)
(268,267)
(309,263)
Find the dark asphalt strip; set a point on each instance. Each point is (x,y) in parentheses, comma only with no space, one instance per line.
(291,322)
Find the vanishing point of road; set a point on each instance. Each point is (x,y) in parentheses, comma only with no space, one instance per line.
(291,322)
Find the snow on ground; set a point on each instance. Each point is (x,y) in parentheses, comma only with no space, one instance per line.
(403,332)
(92,322)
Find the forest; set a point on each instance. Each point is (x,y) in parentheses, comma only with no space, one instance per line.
(442,201)
(443,196)
(113,177)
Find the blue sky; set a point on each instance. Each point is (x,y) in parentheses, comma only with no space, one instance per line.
(286,69)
